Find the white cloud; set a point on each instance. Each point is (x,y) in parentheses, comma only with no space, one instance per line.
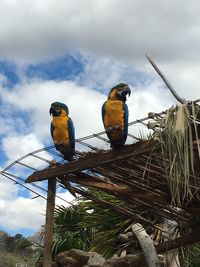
(8,189)
(16,146)
(3,79)
(17,212)
(38,96)
(22,213)
(168,31)
(130,29)
(64,199)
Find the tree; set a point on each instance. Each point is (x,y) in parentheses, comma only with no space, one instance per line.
(23,246)
(10,243)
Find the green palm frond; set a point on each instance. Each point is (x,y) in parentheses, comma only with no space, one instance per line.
(190,256)
(88,226)
(68,233)
(71,240)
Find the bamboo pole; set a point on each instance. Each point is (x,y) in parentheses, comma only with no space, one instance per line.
(49,223)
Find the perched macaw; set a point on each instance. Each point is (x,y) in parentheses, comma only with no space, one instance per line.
(115,115)
(62,130)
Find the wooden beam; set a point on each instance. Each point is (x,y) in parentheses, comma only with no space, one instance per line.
(49,223)
(93,160)
(182,241)
(87,180)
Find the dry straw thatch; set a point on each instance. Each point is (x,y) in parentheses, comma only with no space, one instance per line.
(177,132)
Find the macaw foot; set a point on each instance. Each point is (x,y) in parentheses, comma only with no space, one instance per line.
(69,158)
(116,145)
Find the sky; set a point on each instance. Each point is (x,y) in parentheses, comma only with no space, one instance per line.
(75,52)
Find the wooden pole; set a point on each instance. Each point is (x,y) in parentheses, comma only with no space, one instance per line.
(49,223)
(169,86)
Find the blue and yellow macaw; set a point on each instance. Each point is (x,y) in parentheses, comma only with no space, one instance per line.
(62,130)
(115,115)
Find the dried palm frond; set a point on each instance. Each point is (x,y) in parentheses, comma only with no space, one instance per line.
(177,131)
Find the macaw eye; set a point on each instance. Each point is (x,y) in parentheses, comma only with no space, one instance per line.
(119,92)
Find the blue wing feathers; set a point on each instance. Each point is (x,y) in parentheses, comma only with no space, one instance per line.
(71,133)
(126,113)
(51,129)
(103,111)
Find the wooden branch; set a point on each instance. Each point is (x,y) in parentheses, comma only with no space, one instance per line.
(115,189)
(178,98)
(147,245)
(181,241)
(100,185)
(70,188)
(93,160)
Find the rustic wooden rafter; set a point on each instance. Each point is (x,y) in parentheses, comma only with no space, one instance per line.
(124,212)
(92,161)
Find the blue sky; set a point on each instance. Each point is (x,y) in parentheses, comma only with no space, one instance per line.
(74,52)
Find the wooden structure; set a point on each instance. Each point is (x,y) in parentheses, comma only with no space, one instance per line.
(136,174)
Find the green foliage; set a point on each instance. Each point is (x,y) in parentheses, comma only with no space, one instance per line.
(88,226)
(9,243)
(106,224)
(16,244)
(68,233)
(191,256)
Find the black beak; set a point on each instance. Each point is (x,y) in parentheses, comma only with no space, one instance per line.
(127,91)
(55,111)
(51,110)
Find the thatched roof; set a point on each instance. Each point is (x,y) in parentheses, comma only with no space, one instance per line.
(135,173)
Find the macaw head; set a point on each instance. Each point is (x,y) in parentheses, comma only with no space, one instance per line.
(119,92)
(58,109)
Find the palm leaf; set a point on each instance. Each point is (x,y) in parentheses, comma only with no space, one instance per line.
(176,133)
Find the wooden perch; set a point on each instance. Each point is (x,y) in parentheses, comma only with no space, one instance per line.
(92,161)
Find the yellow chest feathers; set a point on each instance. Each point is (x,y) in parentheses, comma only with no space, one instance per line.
(60,132)
(114,114)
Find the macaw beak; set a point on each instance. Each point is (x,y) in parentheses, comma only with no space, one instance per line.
(127,91)
(54,111)
(51,110)
(124,92)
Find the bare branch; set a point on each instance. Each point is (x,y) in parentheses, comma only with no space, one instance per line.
(178,98)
